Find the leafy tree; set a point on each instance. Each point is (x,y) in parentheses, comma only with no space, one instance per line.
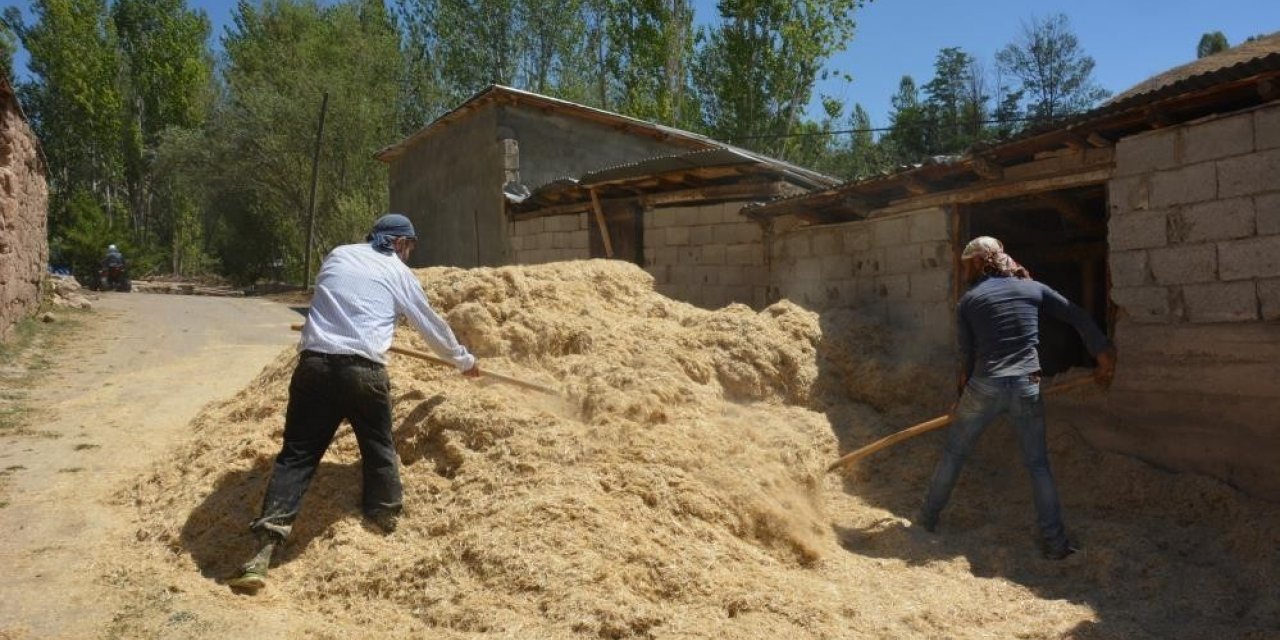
(167,70)
(755,71)
(1055,76)
(281,57)
(1211,43)
(652,43)
(75,104)
(910,135)
(8,46)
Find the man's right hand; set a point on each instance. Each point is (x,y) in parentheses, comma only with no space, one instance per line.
(473,372)
(1105,372)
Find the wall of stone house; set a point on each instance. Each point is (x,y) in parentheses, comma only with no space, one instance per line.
(709,255)
(896,269)
(450,186)
(550,239)
(24,202)
(1194,237)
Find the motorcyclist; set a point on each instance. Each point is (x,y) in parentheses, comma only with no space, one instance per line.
(114,258)
(112,274)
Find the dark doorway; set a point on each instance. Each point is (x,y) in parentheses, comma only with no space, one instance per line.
(626,232)
(1061,237)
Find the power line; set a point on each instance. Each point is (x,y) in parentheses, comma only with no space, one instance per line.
(836,132)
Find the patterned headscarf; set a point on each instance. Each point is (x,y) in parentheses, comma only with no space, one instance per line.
(994,260)
(387,229)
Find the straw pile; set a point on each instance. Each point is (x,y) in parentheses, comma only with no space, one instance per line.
(678,491)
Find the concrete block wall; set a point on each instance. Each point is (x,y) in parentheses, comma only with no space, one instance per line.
(1194,236)
(550,239)
(897,269)
(708,255)
(24,202)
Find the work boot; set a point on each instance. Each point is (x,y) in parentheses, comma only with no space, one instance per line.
(253,575)
(385,520)
(1061,553)
(926,523)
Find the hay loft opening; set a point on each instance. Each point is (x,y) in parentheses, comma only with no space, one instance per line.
(1061,237)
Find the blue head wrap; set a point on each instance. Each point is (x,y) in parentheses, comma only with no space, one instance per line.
(387,229)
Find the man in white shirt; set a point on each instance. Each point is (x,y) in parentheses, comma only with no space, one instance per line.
(361,290)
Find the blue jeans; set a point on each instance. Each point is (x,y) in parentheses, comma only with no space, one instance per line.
(984,400)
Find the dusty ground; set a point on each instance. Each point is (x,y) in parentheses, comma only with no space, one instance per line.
(100,404)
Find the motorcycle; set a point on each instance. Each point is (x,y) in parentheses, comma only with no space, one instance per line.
(114,278)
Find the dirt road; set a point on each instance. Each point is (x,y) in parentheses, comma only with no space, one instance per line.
(117,398)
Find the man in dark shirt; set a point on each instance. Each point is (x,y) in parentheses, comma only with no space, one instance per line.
(998,329)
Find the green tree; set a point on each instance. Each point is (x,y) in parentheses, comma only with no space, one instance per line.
(74,103)
(652,45)
(910,135)
(1055,75)
(281,57)
(167,71)
(955,103)
(1211,43)
(755,71)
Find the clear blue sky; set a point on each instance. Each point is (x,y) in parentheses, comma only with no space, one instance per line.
(1131,40)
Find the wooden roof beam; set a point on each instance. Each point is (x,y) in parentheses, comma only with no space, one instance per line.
(1098,141)
(1069,209)
(987,169)
(915,186)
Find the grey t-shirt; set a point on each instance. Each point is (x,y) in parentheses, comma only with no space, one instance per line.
(998,326)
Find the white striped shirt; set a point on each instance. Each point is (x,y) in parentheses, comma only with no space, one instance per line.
(359,294)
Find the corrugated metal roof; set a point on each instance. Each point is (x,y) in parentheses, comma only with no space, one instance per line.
(661,165)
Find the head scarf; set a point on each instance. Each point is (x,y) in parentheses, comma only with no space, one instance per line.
(387,229)
(995,262)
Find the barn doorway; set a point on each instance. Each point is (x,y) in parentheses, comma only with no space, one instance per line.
(625,221)
(1061,237)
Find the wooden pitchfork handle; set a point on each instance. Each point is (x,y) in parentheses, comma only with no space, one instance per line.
(421,355)
(927,426)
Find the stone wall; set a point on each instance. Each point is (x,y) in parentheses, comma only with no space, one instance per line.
(24,201)
(550,239)
(1195,270)
(897,269)
(709,255)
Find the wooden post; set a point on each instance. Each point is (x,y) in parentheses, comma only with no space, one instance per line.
(604,227)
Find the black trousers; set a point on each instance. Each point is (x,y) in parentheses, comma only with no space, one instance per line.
(324,390)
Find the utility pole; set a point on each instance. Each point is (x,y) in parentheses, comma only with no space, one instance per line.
(311,202)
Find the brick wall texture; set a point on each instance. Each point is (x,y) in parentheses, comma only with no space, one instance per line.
(709,255)
(897,269)
(24,199)
(550,239)
(1195,220)
(1194,236)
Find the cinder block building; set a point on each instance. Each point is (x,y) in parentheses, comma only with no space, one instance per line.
(1158,211)
(512,177)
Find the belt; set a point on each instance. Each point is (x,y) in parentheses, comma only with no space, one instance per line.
(342,358)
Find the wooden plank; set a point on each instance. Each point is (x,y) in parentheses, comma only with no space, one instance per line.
(987,169)
(1097,140)
(604,227)
(987,191)
(718,192)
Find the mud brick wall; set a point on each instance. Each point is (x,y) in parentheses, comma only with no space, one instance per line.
(708,255)
(1195,269)
(550,239)
(24,201)
(897,269)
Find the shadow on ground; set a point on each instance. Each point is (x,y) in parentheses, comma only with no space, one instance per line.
(1165,555)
